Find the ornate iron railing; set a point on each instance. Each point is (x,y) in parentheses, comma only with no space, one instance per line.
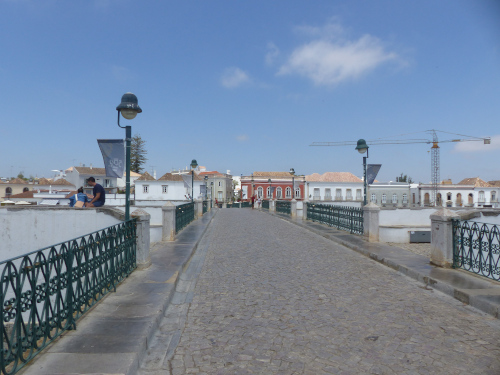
(205,207)
(345,218)
(184,214)
(476,248)
(246,204)
(265,204)
(285,207)
(44,292)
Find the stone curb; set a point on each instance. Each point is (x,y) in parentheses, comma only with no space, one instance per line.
(473,290)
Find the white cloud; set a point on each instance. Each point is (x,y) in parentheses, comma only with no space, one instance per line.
(234,77)
(242,138)
(330,59)
(478,146)
(272,53)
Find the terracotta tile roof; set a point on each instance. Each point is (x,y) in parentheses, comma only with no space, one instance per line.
(18,181)
(26,194)
(176,177)
(146,177)
(475,181)
(62,181)
(495,183)
(44,181)
(272,174)
(333,177)
(91,171)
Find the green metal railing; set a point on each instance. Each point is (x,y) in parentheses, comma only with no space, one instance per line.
(44,292)
(265,204)
(284,207)
(205,207)
(476,248)
(345,218)
(246,204)
(184,214)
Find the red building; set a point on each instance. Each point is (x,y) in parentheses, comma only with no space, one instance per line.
(273,185)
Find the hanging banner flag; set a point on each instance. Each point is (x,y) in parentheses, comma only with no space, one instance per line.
(187,180)
(113,153)
(371,172)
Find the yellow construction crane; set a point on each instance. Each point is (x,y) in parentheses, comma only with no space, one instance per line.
(434,148)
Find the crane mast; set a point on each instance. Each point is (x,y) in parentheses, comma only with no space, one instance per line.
(435,167)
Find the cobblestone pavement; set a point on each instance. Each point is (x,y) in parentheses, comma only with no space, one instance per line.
(417,248)
(273,298)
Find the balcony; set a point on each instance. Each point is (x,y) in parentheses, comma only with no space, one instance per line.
(328,198)
(338,198)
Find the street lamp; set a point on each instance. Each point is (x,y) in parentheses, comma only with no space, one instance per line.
(206,187)
(270,189)
(194,164)
(129,109)
(292,172)
(362,147)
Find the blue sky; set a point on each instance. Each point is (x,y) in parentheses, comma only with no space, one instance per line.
(249,85)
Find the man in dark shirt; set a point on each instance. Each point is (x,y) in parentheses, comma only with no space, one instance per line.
(99,194)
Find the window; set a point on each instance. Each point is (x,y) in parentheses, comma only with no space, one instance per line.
(145,188)
(427,199)
(348,194)
(260,192)
(164,189)
(316,195)
(448,196)
(493,196)
(459,199)
(269,194)
(220,183)
(394,198)
(374,198)
(8,191)
(297,192)
(279,193)
(481,196)
(25,190)
(107,182)
(405,198)
(384,198)
(328,193)
(288,192)
(338,194)
(358,194)
(219,195)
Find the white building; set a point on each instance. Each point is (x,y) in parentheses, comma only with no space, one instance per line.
(390,194)
(78,176)
(334,186)
(169,187)
(470,192)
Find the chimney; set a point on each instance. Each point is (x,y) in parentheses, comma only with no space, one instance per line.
(90,165)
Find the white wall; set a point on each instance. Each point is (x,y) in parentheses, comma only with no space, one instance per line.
(396,225)
(27,229)
(176,190)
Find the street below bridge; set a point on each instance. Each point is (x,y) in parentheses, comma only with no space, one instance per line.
(264,296)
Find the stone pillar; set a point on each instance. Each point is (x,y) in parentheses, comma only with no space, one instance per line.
(239,203)
(142,238)
(224,205)
(168,222)
(272,206)
(304,210)
(442,237)
(371,222)
(198,208)
(293,209)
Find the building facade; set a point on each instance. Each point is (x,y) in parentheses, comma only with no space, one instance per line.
(169,187)
(78,177)
(273,185)
(334,187)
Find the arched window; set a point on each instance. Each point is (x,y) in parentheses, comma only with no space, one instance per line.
(448,196)
(269,195)
(8,191)
(297,192)
(288,192)
(459,200)
(427,199)
(493,196)
(439,200)
(471,199)
(279,193)
(384,198)
(481,196)
(394,198)
(260,192)
(25,190)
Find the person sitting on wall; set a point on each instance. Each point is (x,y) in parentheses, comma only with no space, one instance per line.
(99,194)
(80,196)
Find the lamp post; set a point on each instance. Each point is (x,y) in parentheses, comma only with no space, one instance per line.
(270,189)
(362,147)
(129,108)
(206,187)
(292,172)
(194,164)
(211,194)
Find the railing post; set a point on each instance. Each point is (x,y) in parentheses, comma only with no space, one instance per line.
(304,209)
(293,208)
(168,222)
(143,239)
(371,222)
(198,208)
(442,237)
(272,206)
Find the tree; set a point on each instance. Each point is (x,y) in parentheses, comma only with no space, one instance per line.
(137,154)
(404,178)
